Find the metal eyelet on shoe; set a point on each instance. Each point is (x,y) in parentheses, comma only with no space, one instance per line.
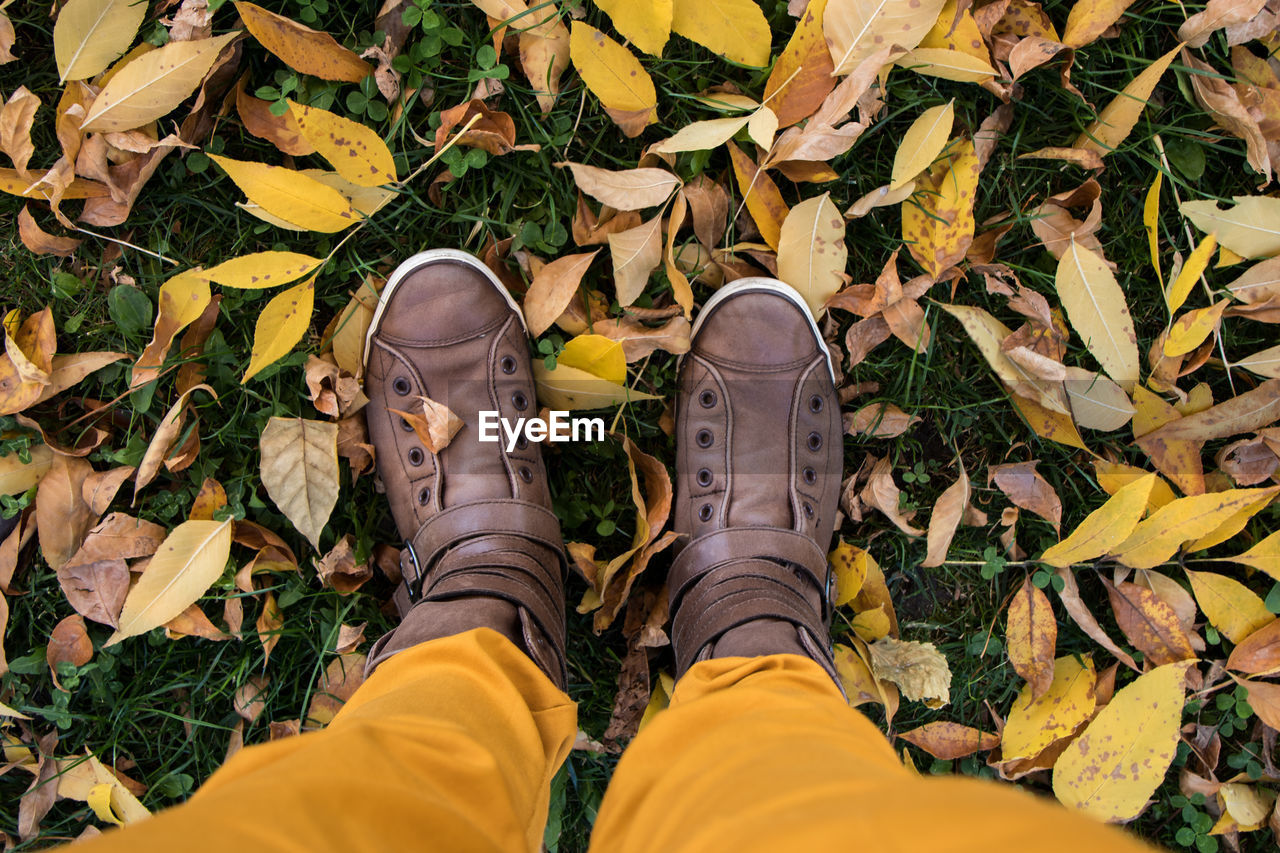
(508,364)
(810,476)
(704,438)
(522,443)
(815,441)
(416,456)
(707,399)
(401,386)
(815,404)
(405,425)
(526,474)
(520,401)
(704,513)
(424,497)
(704,477)
(808,510)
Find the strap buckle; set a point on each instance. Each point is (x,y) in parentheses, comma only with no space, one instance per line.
(412,587)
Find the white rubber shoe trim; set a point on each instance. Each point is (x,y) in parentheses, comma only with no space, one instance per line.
(423,259)
(765,285)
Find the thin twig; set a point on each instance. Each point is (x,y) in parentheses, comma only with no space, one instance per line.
(136,248)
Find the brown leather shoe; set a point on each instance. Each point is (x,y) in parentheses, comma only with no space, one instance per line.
(482,546)
(758,463)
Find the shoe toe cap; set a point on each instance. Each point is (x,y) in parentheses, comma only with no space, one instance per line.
(757,327)
(442,301)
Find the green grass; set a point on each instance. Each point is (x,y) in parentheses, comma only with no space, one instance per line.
(167,705)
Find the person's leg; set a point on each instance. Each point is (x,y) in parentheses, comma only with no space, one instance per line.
(452,741)
(759,749)
(449,746)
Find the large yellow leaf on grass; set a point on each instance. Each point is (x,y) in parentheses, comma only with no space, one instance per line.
(812,252)
(735,29)
(1112,769)
(1180,287)
(1161,535)
(355,152)
(937,222)
(290,195)
(1105,527)
(1089,19)
(1119,116)
(17,476)
(1034,724)
(280,326)
(853,26)
(1251,228)
(1031,633)
(570,388)
(1096,307)
(953,65)
(302,48)
(922,143)
(614,76)
(300,471)
(1264,556)
(154,84)
(1193,328)
(801,78)
(261,270)
(1230,606)
(646,25)
(90,34)
(189,560)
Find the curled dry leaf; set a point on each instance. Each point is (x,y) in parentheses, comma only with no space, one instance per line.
(1258,653)
(40,241)
(552,289)
(338,568)
(300,471)
(1026,488)
(492,131)
(918,669)
(882,493)
(435,426)
(879,420)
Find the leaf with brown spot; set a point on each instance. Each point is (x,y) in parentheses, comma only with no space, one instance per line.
(1248,412)
(282,131)
(948,741)
(302,48)
(1150,624)
(801,78)
(1084,618)
(937,221)
(1031,638)
(355,152)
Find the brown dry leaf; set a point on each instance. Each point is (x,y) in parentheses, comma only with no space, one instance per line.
(96,589)
(183,299)
(918,669)
(879,420)
(41,242)
(250,699)
(299,469)
(1222,102)
(1248,412)
(947,513)
(269,623)
(636,254)
(1024,486)
(1031,638)
(937,221)
(68,643)
(162,442)
(435,426)
(551,290)
(882,493)
(62,516)
(592,230)
(949,741)
(337,684)
(1054,225)
(193,622)
(494,131)
(120,536)
(338,568)
(282,131)
(801,78)
(1084,618)
(629,189)
(349,638)
(1258,653)
(1149,623)
(16,118)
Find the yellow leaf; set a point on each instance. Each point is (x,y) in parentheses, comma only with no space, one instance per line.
(1230,606)
(1251,228)
(988,334)
(300,471)
(948,64)
(280,326)
(17,476)
(660,697)
(1161,535)
(702,135)
(570,388)
(735,29)
(762,125)
(919,670)
(852,27)
(1119,116)
(871,625)
(1246,805)
(153,84)
(801,78)
(183,299)
(1034,724)
(1105,527)
(290,195)
(811,251)
(849,564)
(614,76)
(636,253)
(355,152)
(1112,769)
(937,222)
(1151,222)
(763,200)
(261,270)
(90,781)
(1180,287)
(1096,307)
(922,143)
(597,355)
(90,34)
(646,25)
(189,560)
(1191,329)
(1113,476)
(1264,363)
(1264,556)
(1096,401)
(1089,19)
(1032,636)
(302,48)
(860,686)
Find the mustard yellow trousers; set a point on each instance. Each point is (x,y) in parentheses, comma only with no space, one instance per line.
(451,746)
